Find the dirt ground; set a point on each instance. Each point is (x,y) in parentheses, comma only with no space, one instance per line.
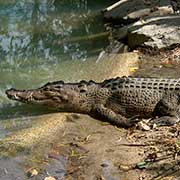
(104,152)
(88,149)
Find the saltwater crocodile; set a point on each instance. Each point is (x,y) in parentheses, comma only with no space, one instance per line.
(113,100)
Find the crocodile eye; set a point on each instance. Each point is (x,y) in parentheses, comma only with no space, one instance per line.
(82,90)
(45,88)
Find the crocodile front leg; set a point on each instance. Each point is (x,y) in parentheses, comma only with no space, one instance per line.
(106,114)
(167,109)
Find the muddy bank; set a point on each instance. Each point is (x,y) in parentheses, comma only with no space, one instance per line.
(71,146)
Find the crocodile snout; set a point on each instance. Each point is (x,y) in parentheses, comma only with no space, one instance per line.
(30,96)
(16,94)
(11,93)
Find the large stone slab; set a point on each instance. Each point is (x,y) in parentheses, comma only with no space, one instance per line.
(133,9)
(156,32)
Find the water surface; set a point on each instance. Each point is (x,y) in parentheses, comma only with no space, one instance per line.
(40,40)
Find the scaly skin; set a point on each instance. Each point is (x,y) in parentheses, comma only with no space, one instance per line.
(113,100)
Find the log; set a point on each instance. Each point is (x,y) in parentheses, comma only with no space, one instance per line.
(82,38)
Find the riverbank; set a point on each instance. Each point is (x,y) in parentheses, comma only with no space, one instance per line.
(70,146)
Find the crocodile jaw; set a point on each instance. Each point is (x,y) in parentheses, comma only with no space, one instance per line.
(27,96)
(53,100)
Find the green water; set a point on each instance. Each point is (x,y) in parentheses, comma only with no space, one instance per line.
(40,40)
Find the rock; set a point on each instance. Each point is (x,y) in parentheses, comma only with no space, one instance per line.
(120,33)
(130,10)
(151,23)
(175,5)
(157,32)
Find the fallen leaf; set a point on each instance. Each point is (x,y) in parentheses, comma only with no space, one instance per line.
(133,69)
(143,126)
(49,178)
(141,165)
(32,172)
(125,167)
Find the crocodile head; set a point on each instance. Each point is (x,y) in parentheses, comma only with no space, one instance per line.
(69,97)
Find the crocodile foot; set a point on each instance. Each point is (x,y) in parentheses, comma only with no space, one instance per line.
(165,121)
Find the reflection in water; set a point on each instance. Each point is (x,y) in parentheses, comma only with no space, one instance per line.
(36,35)
(31,30)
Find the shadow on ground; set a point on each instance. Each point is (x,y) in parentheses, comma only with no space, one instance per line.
(18,110)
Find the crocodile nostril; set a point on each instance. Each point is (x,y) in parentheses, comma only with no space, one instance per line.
(11,94)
